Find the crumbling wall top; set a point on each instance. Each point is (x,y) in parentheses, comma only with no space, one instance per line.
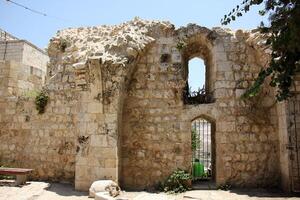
(110,44)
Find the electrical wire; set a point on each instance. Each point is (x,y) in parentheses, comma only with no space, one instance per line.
(33,10)
(30,9)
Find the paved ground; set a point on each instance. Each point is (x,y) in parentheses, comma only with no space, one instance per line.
(57,191)
(27,192)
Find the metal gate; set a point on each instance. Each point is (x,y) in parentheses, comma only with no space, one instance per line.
(294,141)
(201,146)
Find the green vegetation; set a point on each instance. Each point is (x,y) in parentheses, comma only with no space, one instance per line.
(31,94)
(195,140)
(283,37)
(224,187)
(179,181)
(180,45)
(41,101)
(6,177)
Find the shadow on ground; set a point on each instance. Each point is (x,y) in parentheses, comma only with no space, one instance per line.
(65,189)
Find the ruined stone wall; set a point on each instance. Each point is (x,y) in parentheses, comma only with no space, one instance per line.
(153,141)
(156,130)
(246,130)
(116,109)
(45,143)
(42,142)
(98,68)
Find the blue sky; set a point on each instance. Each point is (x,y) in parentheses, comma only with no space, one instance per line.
(75,13)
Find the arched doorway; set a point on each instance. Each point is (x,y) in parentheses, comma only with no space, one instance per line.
(203,153)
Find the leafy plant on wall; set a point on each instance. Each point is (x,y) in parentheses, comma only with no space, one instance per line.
(195,140)
(41,101)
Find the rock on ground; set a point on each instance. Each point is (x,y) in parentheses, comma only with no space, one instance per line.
(104,186)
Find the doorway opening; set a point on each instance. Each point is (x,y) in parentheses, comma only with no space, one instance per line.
(203,153)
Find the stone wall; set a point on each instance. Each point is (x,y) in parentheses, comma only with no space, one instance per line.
(289,134)
(11,50)
(156,131)
(34,57)
(116,108)
(42,142)
(32,63)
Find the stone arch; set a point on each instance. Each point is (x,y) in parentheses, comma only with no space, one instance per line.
(200,45)
(125,84)
(154,135)
(206,117)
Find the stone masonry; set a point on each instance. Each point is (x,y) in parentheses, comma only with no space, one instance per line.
(116,108)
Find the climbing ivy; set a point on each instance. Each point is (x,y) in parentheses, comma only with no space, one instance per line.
(283,32)
(195,140)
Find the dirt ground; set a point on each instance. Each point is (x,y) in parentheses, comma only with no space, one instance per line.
(60,191)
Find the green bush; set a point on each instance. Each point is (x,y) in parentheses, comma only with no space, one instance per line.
(41,101)
(5,177)
(179,181)
(224,187)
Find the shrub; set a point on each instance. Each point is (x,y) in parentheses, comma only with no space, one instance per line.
(224,187)
(6,177)
(41,101)
(179,181)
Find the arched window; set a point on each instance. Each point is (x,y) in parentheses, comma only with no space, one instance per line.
(196,75)
(199,71)
(197,88)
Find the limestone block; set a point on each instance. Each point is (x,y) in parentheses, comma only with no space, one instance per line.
(164,48)
(224,66)
(164,40)
(176,58)
(224,84)
(81,185)
(104,187)
(221,58)
(102,141)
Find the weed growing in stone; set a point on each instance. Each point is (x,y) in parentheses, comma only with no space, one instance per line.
(41,101)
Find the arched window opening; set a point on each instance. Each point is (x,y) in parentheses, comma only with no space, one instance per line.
(202,150)
(196,76)
(196,90)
